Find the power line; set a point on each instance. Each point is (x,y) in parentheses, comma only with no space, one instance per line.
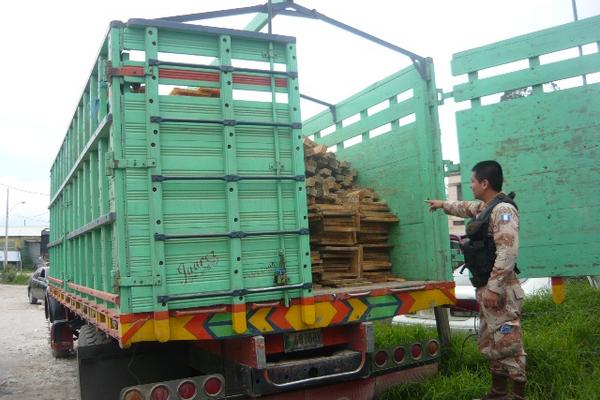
(38,215)
(32,219)
(25,191)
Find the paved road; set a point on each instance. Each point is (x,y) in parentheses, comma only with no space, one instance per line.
(27,368)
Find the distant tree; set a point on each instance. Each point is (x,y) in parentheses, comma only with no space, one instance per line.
(524,92)
(517,93)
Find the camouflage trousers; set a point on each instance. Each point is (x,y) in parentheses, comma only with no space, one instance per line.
(500,337)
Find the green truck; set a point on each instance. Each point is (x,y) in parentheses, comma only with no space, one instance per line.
(179,241)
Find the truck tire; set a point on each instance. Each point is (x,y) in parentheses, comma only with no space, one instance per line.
(90,336)
(32,299)
(56,311)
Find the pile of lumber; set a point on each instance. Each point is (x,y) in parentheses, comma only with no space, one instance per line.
(327,179)
(349,227)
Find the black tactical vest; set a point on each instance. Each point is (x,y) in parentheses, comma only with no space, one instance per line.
(479,248)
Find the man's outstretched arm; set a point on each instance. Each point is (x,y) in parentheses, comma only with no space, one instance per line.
(462,209)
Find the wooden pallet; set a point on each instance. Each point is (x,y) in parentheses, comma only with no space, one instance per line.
(376,257)
(333,239)
(341,260)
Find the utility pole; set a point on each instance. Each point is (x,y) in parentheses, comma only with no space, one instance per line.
(5,264)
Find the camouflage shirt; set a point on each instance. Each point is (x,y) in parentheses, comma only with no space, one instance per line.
(504,226)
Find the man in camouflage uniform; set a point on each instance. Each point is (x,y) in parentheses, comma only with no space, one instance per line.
(500,300)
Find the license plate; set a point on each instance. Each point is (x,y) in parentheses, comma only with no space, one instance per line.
(304,340)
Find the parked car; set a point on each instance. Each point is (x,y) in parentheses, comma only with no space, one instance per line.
(36,289)
(464,316)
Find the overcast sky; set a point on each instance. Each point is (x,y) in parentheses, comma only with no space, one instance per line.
(48,49)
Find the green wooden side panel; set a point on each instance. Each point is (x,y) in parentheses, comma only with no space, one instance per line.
(548,144)
(404,165)
(534,44)
(115,228)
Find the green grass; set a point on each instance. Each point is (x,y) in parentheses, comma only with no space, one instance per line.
(12,277)
(562,342)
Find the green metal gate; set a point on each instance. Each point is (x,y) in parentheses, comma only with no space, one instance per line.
(395,147)
(548,142)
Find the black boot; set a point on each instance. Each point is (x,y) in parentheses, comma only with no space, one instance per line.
(519,390)
(498,390)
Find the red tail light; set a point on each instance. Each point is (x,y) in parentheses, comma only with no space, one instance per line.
(160,392)
(416,351)
(213,386)
(133,394)
(399,354)
(432,347)
(381,358)
(187,390)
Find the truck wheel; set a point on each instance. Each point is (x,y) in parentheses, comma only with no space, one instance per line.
(56,311)
(61,339)
(89,336)
(32,300)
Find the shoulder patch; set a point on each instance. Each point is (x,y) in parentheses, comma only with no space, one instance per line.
(505,218)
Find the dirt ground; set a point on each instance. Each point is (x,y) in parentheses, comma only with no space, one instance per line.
(27,368)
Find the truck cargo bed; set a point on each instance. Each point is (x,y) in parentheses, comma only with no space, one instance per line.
(181,213)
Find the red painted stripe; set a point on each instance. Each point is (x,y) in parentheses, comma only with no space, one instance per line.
(214,310)
(407,302)
(130,71)
(324,298)
(277,318)
(161,315)
(449,294)
(440,285)
(169,73)
(307,301)
(258,80)
(380,292)
(557,280)
(236,308)
(113,298)
(256,306)
(133,329)
(197,326)
(342,312)
(188,75)
(130,318)
(56,280)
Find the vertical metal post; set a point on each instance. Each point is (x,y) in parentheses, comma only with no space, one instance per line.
(156,190)
(281,275)
(442,323)
(307,301)
(5,264)
(576,18)
(232,196)
(270,16)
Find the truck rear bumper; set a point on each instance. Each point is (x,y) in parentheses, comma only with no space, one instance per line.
(360,389)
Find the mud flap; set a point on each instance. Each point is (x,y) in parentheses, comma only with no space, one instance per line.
(61,339)
(104,368)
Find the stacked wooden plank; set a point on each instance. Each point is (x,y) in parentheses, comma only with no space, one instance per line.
(327,179)
(376,220)
(349,227)
(333,234)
